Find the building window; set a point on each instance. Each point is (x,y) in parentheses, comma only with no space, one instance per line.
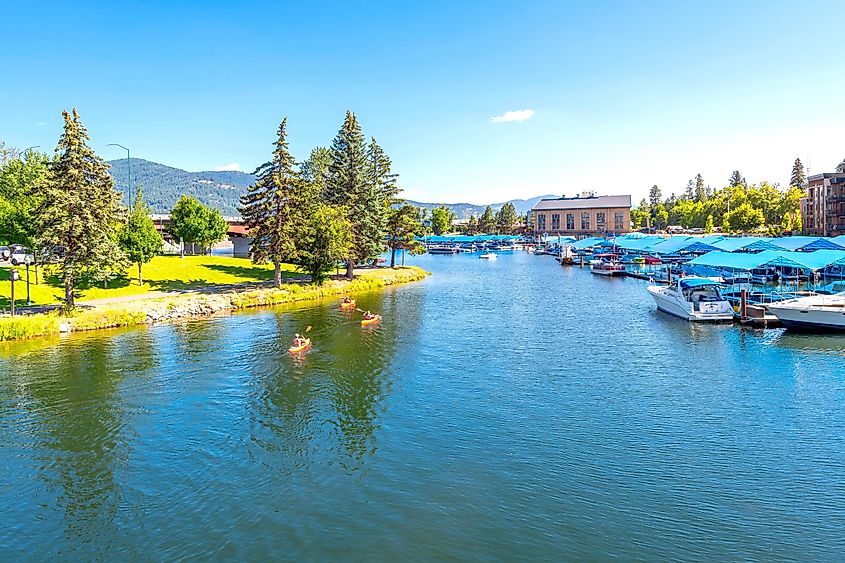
(555,221)
(570,221)
(585,221)
(619,222)
(600,222)
(541,222)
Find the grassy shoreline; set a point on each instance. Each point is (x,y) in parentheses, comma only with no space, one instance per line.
(163,309)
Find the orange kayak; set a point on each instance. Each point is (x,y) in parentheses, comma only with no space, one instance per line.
(300,348)
(374,320)
(347,306)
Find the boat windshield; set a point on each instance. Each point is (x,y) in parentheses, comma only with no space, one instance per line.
(703,294)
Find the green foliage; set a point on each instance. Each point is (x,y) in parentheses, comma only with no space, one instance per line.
(472,225)
(487,222)
(701,194)
(80,210)
(441,220)
(506,219)
(196,224)
(403,228)
(798,178)
(772,203)
(736,179)
(268,207)
(708,225)
(139,238)
(350,184)
(315,170)
(22,180)
(744,218)
(654,196)
(325,241)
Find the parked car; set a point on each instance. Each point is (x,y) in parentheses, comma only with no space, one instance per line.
(21,255)
(5,252)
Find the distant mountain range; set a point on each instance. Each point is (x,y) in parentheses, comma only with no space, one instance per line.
(164,185)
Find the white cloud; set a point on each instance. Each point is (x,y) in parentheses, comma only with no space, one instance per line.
(518,115)
(41,124)
(231,167)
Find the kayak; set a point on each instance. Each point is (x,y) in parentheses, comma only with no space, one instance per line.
(374,320)
(301,348)
(347,306)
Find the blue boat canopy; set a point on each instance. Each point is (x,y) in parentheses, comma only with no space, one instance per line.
(692,282)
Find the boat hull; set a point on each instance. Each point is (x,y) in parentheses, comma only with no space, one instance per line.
(669,304)
(809,319)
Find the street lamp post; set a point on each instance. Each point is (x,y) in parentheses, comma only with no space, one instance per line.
(28,261)
(13,276)
(129,167)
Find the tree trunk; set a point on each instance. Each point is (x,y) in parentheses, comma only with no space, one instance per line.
(350,269)
(36,273)
(393,257)
(277,274)
(140,281)
(69,292)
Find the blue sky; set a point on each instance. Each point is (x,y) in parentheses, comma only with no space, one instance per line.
(618,95)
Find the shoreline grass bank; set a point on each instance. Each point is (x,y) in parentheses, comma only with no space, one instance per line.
(172,307)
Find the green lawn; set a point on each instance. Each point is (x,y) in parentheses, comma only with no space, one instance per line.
(163,273)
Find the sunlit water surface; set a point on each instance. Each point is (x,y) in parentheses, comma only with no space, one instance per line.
(504,409)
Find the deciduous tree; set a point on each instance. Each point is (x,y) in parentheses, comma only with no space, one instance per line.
(138,237)
(403,228)
(196,224)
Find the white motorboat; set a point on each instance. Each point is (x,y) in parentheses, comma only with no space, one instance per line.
(693,299)
(815,312)
(488,256)
(606,265)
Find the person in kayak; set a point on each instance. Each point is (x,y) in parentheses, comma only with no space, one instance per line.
(298,341)
(369,316)
(347,299)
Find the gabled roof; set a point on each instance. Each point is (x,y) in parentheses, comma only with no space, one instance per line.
(809,243)
(564,203)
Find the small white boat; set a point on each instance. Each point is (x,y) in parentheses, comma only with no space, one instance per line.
(488,256)
(816,312)
(693,299)
(606,265)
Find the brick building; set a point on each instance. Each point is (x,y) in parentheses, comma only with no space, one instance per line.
(586,215)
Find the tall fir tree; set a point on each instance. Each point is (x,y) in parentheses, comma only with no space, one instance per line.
(736,179)
(315,169)
(689,193)
(798,177)
(487,222)
(139,237)
(267,211)
(348,186)
(654,196)
(380,174)
(506,219)
(80,211)
(700,190)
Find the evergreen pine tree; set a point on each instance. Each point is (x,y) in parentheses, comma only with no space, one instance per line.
(689,193)
(348,186)
(139,237)
(798,177)
(265,209)
(379,173)
(487,222)
(472,225)
(654,196)
(80,210)
(700,190)
(506,218)
(403,228)
(736,179)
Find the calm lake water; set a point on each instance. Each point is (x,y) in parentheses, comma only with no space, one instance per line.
(502,410)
